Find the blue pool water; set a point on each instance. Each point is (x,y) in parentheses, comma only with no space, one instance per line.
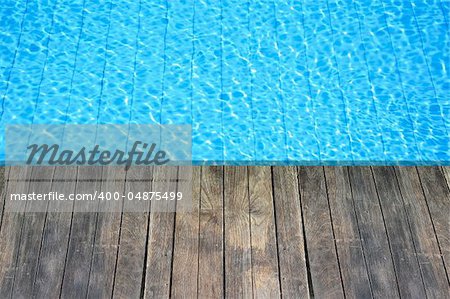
(300,81)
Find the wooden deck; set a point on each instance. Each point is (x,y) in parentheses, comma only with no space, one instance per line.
(261,232)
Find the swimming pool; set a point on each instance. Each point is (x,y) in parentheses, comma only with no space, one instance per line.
(281,82)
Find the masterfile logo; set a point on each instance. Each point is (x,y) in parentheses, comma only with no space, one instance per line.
(98,145)
(66,157)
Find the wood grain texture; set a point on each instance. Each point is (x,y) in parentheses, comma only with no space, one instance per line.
(238,258)
(107,231)
(210,263)
(265,277)
(4,174)
(348,240)
(10,230)
(373,234)
(438,200)
(291,250)
(161,233)
(82,234)
(185,260)
(31,233)
(133,237)
(55,238)
(381,233)
(398,230)
(425,240)
(323,260)
(446,170)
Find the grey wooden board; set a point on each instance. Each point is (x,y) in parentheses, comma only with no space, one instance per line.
(4,174)
(31,234)
(82,234)
(322,255)
(349,245)
(133,238)
(446,170)
(290,236)
(265,276)
(238,256)
(210,263)
(107,232)
(10,231)
(55,238)
(438,200)
(425,240)
(185,259)
(373,234)
(403,250)
(160,238)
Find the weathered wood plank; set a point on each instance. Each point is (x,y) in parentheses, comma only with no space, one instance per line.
(133,236)
(291,250)
(31,233)
(107,234)
(211,266)
(4,174)
(323,260)
(373,234)
(403,250)
(185,260)
(82,234)
(55,237)
(161,233)
(266,282)
(11,226)
(425,240)
(411,208)
(438,199)
(446,170)
(238,256)
(348,240)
